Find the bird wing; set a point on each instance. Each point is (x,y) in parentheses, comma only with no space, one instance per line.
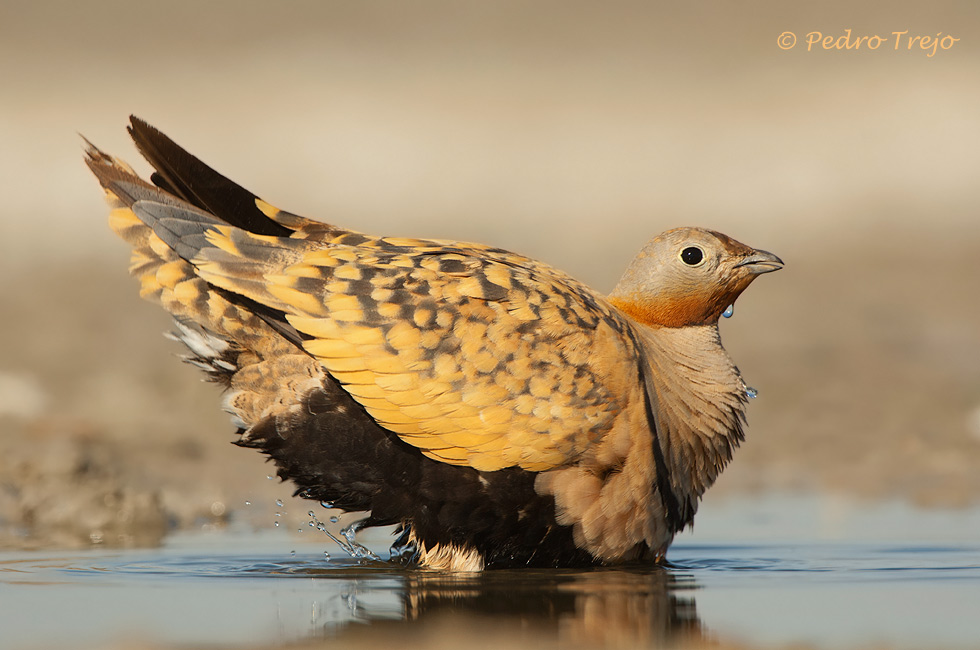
(474,355)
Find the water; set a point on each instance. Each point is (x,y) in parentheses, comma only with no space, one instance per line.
(761,572)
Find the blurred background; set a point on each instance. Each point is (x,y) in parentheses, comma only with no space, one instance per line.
(568,131)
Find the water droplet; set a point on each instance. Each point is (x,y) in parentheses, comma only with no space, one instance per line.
(334,519)
(277,524)
(751,393)
(326,504)
(326,556)
(310,514)
(248,503)
(279,514)
(729,311)
(270,477)
(292,553)
(279,502)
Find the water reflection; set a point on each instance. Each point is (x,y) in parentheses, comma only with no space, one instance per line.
(921,570)
(235,600)
(625,607)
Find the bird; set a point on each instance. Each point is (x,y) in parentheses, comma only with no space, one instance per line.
(494,410)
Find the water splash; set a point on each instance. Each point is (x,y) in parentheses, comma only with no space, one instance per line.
(347,541)
(357,550)
(729,311)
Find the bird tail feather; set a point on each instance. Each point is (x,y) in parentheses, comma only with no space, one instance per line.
(164,276)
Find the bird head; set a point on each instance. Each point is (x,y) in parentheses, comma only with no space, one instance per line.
(688,276)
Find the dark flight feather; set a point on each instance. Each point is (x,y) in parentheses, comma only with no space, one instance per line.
(184,175)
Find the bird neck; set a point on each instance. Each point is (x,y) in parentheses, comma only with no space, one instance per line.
(698,398)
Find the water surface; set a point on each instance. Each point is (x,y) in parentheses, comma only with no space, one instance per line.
(764,572)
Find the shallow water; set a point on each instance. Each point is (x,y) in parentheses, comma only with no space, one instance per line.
(764,572)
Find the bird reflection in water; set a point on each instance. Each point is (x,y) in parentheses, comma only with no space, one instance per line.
(631,607)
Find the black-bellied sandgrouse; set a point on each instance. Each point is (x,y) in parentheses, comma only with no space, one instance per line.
(498,411)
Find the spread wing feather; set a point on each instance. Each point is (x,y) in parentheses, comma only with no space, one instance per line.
(474,355)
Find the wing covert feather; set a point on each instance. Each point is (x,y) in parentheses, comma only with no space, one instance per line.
(474,355)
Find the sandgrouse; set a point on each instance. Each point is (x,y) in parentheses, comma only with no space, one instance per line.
(496,410)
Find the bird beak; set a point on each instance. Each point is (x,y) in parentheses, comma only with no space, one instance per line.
(758,262)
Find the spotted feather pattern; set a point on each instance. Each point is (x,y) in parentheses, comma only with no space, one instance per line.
(262,370)
(474,355)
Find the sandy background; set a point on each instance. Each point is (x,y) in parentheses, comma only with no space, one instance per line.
(569,131)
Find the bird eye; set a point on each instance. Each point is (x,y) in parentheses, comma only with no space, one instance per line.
(692,256)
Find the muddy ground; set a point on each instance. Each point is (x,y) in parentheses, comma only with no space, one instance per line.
(559,130)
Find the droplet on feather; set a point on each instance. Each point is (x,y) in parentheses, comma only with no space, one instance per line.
(729,311)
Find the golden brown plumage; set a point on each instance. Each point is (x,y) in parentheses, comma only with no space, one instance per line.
(603,418)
